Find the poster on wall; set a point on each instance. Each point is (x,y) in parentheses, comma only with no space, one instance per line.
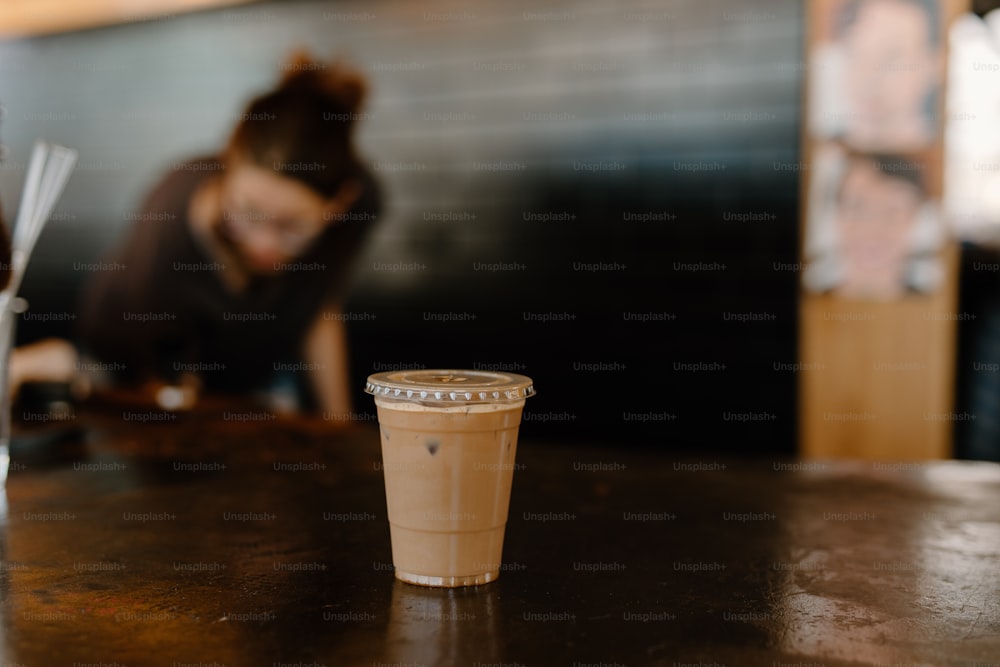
(873,230)
(972,133)
(873,225)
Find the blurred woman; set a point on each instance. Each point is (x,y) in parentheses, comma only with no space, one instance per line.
(235,275)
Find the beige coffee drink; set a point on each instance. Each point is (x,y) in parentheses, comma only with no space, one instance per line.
(449,438)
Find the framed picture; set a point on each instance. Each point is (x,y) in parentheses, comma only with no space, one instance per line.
(877,68)
(873,232)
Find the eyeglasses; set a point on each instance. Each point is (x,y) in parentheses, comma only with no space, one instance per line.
(291,235)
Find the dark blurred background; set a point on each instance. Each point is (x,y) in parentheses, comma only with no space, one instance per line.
(601,195)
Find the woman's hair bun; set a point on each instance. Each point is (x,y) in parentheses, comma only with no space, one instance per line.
(309,119)
(343,87)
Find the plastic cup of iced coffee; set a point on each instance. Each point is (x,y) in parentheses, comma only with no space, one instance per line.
(449,438)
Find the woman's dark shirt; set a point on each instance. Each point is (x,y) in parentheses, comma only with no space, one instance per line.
(161,309)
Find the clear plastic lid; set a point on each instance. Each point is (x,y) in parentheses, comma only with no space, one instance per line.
(453,386)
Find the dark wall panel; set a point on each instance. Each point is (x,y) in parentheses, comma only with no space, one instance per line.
(599,162)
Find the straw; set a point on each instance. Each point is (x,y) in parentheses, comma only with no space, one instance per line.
(32,182)
(48,172)
(57,171)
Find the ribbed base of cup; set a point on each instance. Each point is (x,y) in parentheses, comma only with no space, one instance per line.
(447,582)
(446,560)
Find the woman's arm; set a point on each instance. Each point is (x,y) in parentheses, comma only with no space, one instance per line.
(326,352)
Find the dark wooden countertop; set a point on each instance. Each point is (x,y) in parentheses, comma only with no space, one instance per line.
(211,540)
